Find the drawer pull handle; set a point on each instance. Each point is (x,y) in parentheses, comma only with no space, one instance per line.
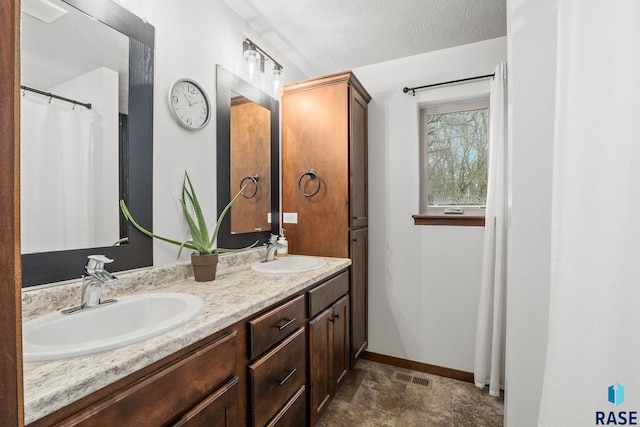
(286,323)
(334,318)
(289,375)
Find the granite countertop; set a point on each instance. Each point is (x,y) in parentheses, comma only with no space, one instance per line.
(237,293)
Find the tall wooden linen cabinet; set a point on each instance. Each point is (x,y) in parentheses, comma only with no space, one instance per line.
(324,181)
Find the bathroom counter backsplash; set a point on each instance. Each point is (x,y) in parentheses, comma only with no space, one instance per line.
(237,293)
(48,299)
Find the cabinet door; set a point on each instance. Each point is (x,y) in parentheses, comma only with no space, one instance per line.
(218,410)
(358,160)
(341,353)
(320,362)
(315,133)
(359,293)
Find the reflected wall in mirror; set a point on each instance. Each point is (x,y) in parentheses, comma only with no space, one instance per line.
(77,162)
(248,152)
(250,147)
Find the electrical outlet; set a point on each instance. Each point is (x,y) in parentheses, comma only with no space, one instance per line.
(290,217)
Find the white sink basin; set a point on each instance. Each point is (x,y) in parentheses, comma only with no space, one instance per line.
(290,264)
(131,319)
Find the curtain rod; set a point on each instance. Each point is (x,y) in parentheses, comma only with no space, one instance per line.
(413,89)
(51,95)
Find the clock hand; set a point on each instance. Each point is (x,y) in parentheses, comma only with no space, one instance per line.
(186,96)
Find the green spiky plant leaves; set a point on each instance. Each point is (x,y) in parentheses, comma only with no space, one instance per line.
(200,241)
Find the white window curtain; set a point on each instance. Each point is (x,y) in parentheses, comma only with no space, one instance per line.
(489,350)
(594,313)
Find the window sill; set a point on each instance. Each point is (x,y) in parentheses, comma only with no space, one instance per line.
(465,219)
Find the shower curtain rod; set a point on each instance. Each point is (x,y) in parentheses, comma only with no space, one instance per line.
(413,89)
(51,95)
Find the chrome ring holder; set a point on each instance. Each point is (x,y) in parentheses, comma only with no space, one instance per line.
(253,178)
(313,175)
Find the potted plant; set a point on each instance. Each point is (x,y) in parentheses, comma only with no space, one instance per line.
(204,259)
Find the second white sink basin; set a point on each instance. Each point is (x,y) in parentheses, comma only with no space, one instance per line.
(131,319)
(290,264)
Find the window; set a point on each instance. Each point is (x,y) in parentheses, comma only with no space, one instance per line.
(454,158)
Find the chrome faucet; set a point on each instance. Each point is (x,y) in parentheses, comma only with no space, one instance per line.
(272,246)
(92,282)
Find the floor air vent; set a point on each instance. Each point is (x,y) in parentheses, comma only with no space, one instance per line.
(410,379)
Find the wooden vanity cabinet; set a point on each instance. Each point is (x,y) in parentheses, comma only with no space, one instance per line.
(329,353)
(277,369)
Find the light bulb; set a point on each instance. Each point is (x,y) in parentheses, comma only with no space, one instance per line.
(277,81)
(252,62)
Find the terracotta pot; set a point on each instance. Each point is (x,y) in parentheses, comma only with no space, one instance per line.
(204,267)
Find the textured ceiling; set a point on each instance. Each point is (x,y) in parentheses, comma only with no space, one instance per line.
(326,36)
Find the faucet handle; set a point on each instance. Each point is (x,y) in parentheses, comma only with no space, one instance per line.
(273,239)
(95,268)
(97,262)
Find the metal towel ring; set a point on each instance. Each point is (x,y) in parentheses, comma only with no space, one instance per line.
(253,178)
(313,175)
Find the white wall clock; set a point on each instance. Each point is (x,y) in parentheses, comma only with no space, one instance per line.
(190,104)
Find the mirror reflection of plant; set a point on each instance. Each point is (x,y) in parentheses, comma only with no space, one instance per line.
(200,240)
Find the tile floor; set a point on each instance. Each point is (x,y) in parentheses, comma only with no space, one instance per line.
(370,397)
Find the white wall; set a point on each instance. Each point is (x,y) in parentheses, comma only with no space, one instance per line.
(531,50)
(191,37)
(423,280)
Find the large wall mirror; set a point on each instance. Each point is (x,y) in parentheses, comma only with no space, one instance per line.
(86,137)
(248,152)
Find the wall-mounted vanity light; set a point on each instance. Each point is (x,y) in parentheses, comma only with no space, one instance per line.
(254,60)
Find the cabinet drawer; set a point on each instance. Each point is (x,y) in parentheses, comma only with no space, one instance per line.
(172,390)
(324,295)
(272,327)
(276,376)
(294,413)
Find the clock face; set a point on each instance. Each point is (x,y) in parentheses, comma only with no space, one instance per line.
(189,104)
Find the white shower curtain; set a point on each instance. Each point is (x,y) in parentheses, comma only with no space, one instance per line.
(489,350)
(56,175)
(594,314)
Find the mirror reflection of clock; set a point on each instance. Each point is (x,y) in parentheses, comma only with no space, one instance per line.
(189,104)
